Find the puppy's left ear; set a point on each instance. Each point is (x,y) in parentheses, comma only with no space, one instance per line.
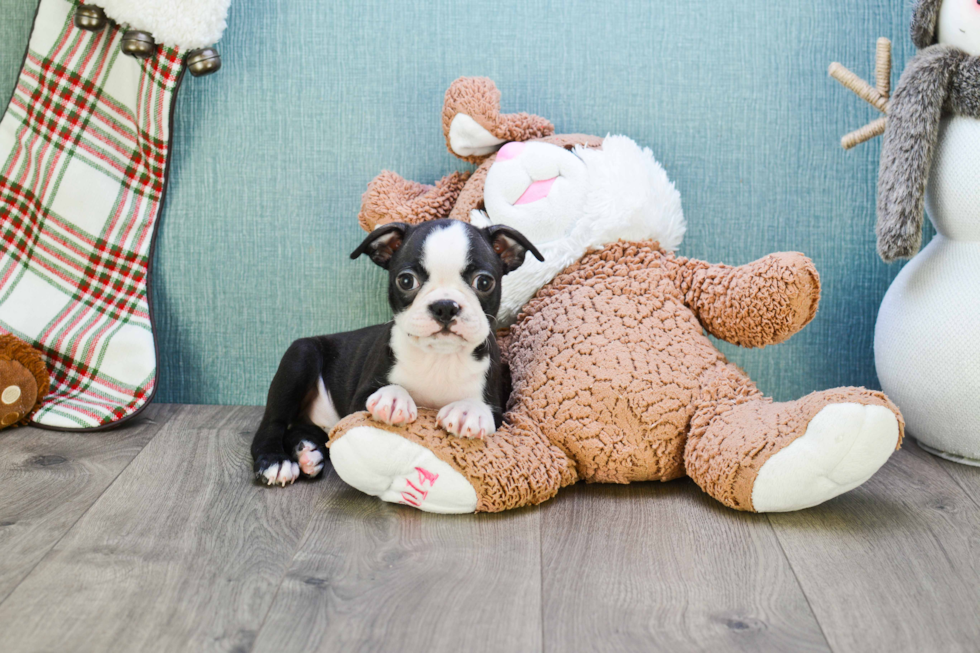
(511,246)
(382,243)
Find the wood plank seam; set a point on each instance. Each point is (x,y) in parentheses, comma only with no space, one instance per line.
(854,540)
(68,530)
(204,561)
(956,480)
(541,599)
(799,584)
(324,478)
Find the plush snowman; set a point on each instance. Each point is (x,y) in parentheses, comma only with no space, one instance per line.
(927,337)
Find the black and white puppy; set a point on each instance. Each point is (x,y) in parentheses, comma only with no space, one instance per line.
(439,352)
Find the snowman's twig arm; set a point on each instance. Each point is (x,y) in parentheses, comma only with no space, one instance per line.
(883,67)
(865,134)
(876,96)
(859,87)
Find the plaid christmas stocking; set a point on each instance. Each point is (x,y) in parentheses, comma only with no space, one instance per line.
(84,156)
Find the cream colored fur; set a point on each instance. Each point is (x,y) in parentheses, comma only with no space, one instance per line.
(185,24)
(627,196)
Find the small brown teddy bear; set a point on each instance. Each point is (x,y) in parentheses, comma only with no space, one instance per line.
(23,381)
(614,378)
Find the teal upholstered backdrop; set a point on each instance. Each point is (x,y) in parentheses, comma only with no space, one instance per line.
(315,98)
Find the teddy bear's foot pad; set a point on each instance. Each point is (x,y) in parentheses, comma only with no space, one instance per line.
(386,465)
(844,445)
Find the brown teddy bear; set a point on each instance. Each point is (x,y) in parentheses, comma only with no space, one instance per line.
(614,378)
(23,381)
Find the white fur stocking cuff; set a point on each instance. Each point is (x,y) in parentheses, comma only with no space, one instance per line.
(186,24)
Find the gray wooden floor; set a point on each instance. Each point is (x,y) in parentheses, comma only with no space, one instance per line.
(153,538)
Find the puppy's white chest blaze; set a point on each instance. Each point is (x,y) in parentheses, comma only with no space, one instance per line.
(436,379)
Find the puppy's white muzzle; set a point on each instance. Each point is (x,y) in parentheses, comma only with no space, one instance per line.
(468,327)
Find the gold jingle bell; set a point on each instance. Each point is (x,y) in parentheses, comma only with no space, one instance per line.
(90,18)
(203,61)
(139,44)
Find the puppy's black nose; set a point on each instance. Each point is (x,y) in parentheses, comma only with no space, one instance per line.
(444,311)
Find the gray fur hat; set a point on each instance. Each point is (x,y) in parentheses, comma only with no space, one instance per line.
(924,22)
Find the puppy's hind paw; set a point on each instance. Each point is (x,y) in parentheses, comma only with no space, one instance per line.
(467,419)
(276,470)
(393,405)
(310,458)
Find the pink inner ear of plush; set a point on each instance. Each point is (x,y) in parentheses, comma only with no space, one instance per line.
(536,191)
(510,150)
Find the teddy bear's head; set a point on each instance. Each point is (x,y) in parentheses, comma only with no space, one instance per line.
(568,193)
(951,22)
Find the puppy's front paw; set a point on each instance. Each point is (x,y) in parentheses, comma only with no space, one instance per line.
(276,469)
(467,419)
(392,405)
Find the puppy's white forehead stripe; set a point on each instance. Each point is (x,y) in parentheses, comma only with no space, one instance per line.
(445,253)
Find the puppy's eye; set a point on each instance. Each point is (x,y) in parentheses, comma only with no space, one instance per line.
(483,283)
(407,281)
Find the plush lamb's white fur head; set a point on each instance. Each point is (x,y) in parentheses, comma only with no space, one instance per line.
(570,202)
(567,193)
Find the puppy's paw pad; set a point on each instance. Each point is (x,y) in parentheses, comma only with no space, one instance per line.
(467,419)
(276,470)
(310,459)
(393,405)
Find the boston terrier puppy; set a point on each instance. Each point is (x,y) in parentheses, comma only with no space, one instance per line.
(439,351)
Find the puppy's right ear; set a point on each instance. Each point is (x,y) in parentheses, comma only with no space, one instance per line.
(511,246)
(382,243)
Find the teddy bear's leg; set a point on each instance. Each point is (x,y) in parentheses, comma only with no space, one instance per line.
(422,466)
(756,455)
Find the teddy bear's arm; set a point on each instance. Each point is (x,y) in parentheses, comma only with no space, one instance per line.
(753,305)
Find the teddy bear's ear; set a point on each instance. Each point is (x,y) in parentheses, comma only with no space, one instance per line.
(475,128)
(390,198)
